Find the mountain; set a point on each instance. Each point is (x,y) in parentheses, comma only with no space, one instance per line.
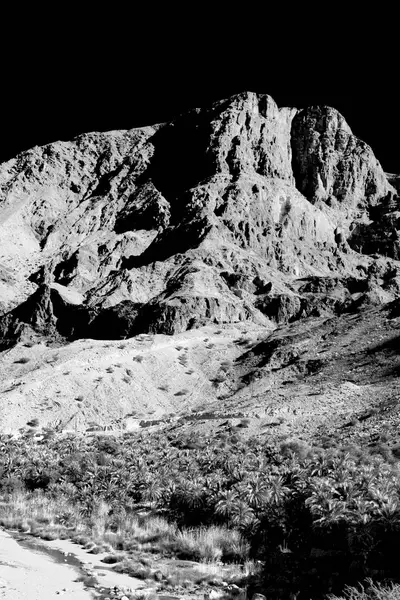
(239,214)
(211,218)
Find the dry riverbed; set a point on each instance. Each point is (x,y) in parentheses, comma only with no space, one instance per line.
(32,575)
(39,570)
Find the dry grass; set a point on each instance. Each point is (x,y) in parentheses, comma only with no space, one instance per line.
(131,541)
(138,595)
(184,574)
(134,568)
(188,575)
(209,544)
(373,591)
(141,545)
(42,514)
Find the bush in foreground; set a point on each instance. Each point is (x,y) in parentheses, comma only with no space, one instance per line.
(371,591)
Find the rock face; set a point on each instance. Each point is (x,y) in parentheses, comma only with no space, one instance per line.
(213,218)
(332,166)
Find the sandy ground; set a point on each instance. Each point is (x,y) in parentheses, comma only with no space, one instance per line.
(313,377)
(100,382)
(32,576)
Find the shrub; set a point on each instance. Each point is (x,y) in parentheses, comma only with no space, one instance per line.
(112,559)
(373,591)
(297,447)
(108,444)
(133,569)
(22,361)
(218,380)
(209,544)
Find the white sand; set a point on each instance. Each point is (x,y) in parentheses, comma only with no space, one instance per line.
(26,575)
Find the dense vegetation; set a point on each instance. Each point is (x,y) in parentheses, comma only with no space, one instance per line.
(317,518)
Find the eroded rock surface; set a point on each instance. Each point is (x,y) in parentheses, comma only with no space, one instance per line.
(217,217)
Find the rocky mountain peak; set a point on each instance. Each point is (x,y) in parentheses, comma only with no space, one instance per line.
(332,165)
(215,217)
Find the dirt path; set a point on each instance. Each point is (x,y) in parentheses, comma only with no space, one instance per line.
(28,575)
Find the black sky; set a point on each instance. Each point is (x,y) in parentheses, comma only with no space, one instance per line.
(70,77)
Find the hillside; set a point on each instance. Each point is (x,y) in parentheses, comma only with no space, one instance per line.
(205,246)
(199,358)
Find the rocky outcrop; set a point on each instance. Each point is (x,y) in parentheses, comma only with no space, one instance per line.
(212,218)
(394,180)
(49,312)
(381,233)
(332,166)
(146,208)
(310,297)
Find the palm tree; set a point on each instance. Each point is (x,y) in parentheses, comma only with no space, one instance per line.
(242,516)
(389,515)
(227,503)
(255,491)
(277,491)
(153,492)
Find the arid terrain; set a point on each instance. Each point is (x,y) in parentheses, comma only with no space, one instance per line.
(314,377)
(232,276)
(25,575)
